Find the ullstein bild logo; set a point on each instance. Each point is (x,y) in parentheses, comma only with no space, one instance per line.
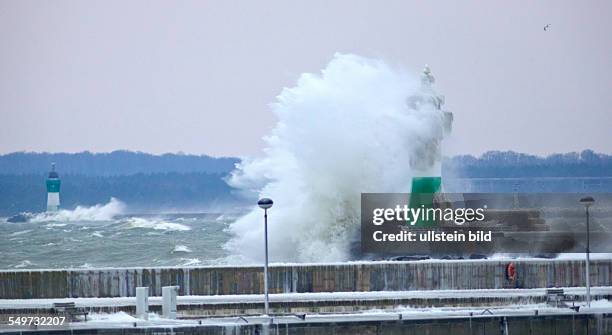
(464,224)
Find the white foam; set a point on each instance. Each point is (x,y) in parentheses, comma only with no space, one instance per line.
(155,224)
(97,234)
(181,248)
(105,212)
(21,232)
(345,131)
(53,225)
(23,264)
(191,261)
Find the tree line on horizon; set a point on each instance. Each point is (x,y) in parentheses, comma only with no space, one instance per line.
(510,164)
(586,163)
(178,181)
(120,162)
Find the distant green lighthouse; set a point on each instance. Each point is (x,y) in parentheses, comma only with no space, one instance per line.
(53,189)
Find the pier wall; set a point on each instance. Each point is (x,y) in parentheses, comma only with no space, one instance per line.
(345,277)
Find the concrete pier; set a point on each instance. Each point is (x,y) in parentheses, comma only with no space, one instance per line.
(298,278)
(312,303)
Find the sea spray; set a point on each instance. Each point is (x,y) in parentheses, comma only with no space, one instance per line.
(359,126)
(100,212)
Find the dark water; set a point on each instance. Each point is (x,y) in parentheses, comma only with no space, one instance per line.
(103,236)
(141,240)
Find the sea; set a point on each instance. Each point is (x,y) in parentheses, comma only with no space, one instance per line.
(121,241)
(108,235)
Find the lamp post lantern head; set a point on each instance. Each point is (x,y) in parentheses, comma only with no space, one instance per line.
(587,201)
(265,203)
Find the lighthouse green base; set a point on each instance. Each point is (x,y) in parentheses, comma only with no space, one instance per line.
(422,194)
(428,185)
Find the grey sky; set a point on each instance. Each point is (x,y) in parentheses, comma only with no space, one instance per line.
(197,77)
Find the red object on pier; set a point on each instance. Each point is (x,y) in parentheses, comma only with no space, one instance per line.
(511,271)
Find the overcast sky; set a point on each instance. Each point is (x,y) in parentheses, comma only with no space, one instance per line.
(198,76)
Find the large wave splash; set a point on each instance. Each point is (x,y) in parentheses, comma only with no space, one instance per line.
(99,212)
(358,126)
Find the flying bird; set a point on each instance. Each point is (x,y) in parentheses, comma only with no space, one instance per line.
(546,27)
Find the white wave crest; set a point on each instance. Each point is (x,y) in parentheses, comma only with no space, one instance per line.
(23,264)
(54,225)
(105,212)
(97,234)
(181,248)
(155,224)
(190,261)
(21,232)
(359,126)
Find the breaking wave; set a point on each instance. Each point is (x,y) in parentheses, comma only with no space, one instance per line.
(181,248)
(359,126)
(105,212)
(190,261)
(21,232)
(155,224)
(26,263)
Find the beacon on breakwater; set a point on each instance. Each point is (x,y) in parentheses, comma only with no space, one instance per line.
(427,169)
(53,189)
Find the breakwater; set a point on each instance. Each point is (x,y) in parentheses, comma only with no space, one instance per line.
(342,277)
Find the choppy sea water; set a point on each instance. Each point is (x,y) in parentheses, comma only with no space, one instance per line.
(123,241)
(104,236)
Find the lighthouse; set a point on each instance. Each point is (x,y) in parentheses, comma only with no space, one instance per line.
(427,168)
(53,189)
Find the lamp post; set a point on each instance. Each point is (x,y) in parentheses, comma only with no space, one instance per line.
(587,202)
(266,203)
